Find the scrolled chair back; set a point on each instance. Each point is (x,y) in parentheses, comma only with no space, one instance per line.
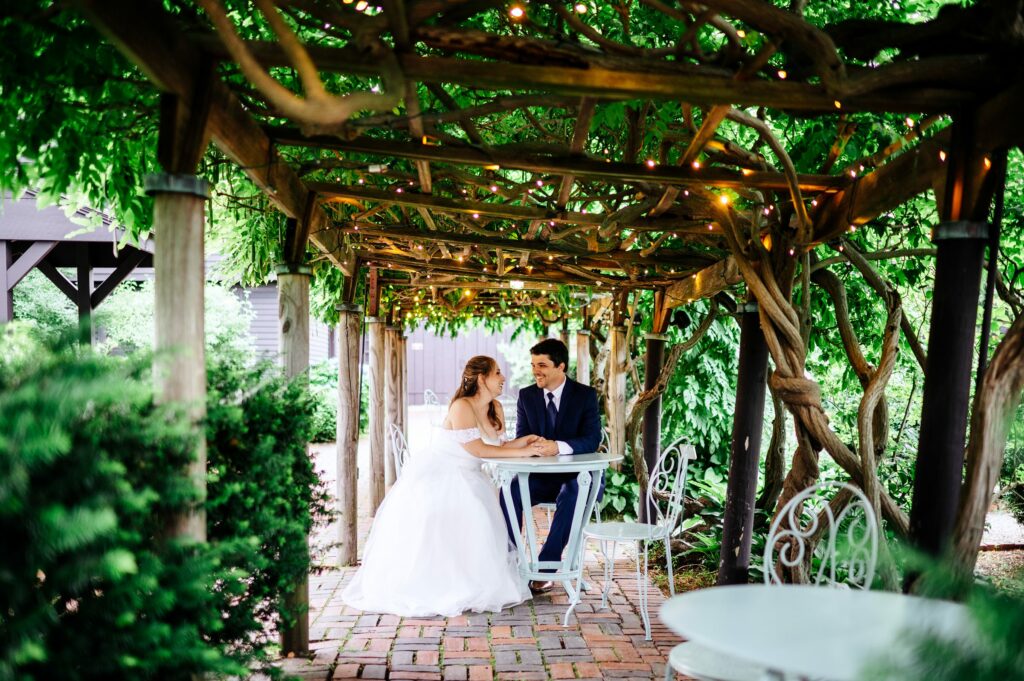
(399,448)
(845,543)
(667,483)
(430,398)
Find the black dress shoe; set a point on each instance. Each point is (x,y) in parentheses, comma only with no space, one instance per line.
(540,587)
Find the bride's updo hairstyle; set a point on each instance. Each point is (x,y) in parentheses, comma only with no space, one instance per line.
(477,367)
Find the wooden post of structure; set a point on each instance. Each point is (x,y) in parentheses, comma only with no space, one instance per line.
(293,317)
(617,357)
(960,246)
(6,288)
(563,334)
(583,356)
(375,331)
(403,380)
(83,299)
(349,346)
(180,364)
(747,422)
(393,397)
(654,360)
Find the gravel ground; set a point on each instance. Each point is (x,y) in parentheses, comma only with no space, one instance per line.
(1001,566)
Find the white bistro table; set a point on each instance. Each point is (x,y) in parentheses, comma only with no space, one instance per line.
(588,468)
(811,631)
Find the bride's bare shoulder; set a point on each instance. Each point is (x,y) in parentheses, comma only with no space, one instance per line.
(460,415)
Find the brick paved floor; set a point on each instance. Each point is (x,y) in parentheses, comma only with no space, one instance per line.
(523,643)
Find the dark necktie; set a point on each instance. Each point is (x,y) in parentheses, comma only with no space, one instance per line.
(552,414)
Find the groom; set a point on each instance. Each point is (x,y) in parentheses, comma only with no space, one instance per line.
(564,413)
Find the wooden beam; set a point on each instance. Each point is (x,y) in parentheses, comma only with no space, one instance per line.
(127,261)
(59,280)
(502,211)
(625,79)
(703,284)
(32,256)
(919,169)
(566,164)
(607,260)
(155,42)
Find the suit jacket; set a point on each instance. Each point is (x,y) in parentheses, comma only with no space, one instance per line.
(578,423)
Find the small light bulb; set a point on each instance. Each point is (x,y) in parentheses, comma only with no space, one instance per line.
(942,156)
(650,163)
(696,165)
(516,12)
(782,74)
(580,8)
(723,199)
(837,104)
(741,33)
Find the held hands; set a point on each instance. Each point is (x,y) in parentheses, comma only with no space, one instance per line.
(544,447)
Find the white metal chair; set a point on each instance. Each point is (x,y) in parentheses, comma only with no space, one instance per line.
(795,544)
(399,448)
(665,497)
(430,398)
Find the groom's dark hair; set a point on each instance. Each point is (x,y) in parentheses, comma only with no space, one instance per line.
(553,348)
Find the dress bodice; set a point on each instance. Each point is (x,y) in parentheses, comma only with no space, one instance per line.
(464,435)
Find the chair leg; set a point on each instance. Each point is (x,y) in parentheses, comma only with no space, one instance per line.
(642,590)
(668,670)
(609,571)
(668,564)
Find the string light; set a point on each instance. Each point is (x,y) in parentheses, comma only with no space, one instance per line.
(516,12)
(741,33)
(837,104)
(580,8)
(696,165)
(782,74)
(724,199)
(650,163)
(942,156)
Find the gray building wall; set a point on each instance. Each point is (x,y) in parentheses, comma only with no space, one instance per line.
(264,326)
(436,362)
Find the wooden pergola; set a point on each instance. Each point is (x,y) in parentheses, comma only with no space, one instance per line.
(393,159)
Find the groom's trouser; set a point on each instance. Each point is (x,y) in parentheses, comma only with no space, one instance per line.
(563,490)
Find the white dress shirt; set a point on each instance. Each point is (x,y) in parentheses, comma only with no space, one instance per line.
(563,447)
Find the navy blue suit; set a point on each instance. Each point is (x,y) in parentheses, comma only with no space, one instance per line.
(578,424)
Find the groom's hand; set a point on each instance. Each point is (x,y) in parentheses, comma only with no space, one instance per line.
(545,447)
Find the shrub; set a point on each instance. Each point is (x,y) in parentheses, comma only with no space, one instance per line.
(264,496)
(89,471)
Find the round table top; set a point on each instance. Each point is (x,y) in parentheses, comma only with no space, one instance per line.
(568,463)
(815,631)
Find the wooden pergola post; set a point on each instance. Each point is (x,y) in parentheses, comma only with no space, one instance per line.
(745,451)
(618,355)
(180,362)
(349,346)
(583,356)
(654,359)
(375,331)
(960,241)
(393,398)
(293,317)
(403,379)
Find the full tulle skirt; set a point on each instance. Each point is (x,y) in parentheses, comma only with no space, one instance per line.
(438,545)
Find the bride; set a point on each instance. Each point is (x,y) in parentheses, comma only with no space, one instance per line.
(438,545)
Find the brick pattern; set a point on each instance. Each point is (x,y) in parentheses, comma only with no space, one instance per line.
(523,643)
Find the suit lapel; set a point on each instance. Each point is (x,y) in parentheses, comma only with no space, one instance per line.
(563,404)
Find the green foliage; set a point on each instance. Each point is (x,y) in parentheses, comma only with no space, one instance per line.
(323,385)
(993,653)
(264,494)
(91,469)
(621,493)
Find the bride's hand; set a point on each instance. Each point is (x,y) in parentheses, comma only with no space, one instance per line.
(523,441)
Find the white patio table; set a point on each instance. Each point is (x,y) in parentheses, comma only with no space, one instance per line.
(588,468)
(810,631)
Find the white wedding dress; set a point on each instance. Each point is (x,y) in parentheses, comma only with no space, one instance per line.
(438,545)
